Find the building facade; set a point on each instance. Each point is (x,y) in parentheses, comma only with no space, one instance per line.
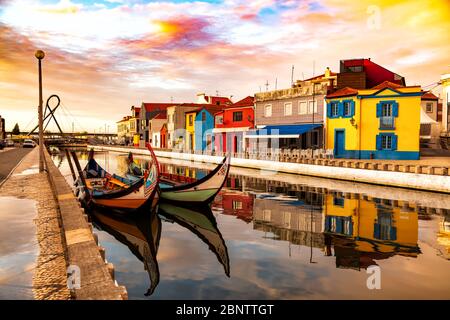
(2,128)
(430,127)
(293,118)
(231,124)
(364,74)
(445,82)
(123,131)
(134,125)
(155,127)
(378,123)
(148,112)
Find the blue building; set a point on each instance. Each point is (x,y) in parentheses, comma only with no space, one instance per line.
(204,125)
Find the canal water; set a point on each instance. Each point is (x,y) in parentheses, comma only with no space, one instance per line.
(279,236)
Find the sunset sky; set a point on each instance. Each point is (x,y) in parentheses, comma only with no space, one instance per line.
(103,56)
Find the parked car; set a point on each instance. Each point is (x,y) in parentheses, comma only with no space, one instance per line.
(27,143)
(2,144)
(9,143)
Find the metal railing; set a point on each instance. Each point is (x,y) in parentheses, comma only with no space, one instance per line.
(387,122)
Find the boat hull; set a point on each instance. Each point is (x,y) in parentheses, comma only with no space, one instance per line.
(201,191)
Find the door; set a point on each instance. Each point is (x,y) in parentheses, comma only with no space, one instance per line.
(191,142)
(339,143)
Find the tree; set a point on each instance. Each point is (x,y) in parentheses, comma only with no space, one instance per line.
(16,129)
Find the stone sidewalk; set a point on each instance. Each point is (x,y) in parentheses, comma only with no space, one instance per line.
(49,278)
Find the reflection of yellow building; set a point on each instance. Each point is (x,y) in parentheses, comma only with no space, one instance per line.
(375,226)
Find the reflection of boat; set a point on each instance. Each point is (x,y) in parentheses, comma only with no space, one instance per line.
(113,191)
(200,191)
(200,221)
(141,234)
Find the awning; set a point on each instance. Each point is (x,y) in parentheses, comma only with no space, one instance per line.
(425,119)
(286,131)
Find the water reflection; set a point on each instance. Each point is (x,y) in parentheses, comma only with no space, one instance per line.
(293,237)
(141,233)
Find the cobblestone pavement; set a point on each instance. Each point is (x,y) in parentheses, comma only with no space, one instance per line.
(49,278)
(9,158)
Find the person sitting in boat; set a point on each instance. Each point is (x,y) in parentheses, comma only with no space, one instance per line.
(133,168)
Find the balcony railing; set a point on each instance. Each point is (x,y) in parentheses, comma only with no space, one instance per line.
(387,123)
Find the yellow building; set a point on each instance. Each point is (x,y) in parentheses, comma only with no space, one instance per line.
(378,123)
(375,226)
(190,130)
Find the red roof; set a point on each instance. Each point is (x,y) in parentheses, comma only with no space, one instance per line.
(344,92)
(387,84)
(246,102)
(161,115)
(156,106)
(210,108)
(428,95)
(219,100)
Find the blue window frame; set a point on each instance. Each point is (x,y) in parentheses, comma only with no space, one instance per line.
(387,111)
(340,202)
(333,109)
(386,141)
(348,108)
(337,109)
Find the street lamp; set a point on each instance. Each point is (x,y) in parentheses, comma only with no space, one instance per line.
(40,55)
(352,122)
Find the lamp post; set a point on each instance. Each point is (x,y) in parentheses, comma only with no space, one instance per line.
(40,55)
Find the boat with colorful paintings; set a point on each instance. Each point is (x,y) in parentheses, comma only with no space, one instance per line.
(113,191)
(203,190)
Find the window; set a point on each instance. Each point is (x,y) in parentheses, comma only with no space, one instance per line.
(386,110)
(288,108)
(386,142)
(334,109)
(237,116)
(312,107)
(268,110)
(302,107)
(387,119)
(347,109)
(338,201)
(219,119)
(190,119)
(203,116)
(237,205)
(429,107)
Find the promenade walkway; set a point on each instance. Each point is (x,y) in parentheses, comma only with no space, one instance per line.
(32,245)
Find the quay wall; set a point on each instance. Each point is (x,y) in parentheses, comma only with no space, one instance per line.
(84,256)
(418,181)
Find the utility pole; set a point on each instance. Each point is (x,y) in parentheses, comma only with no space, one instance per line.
(314,104)
(267,85)
(40,55)
(292,76)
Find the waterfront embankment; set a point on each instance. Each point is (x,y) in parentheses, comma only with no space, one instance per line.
(60,231)
(377,173)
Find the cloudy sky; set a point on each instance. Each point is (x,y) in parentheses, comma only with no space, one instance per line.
(103,56)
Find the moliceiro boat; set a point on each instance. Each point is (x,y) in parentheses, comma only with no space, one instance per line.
(200,191)
(103,189)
